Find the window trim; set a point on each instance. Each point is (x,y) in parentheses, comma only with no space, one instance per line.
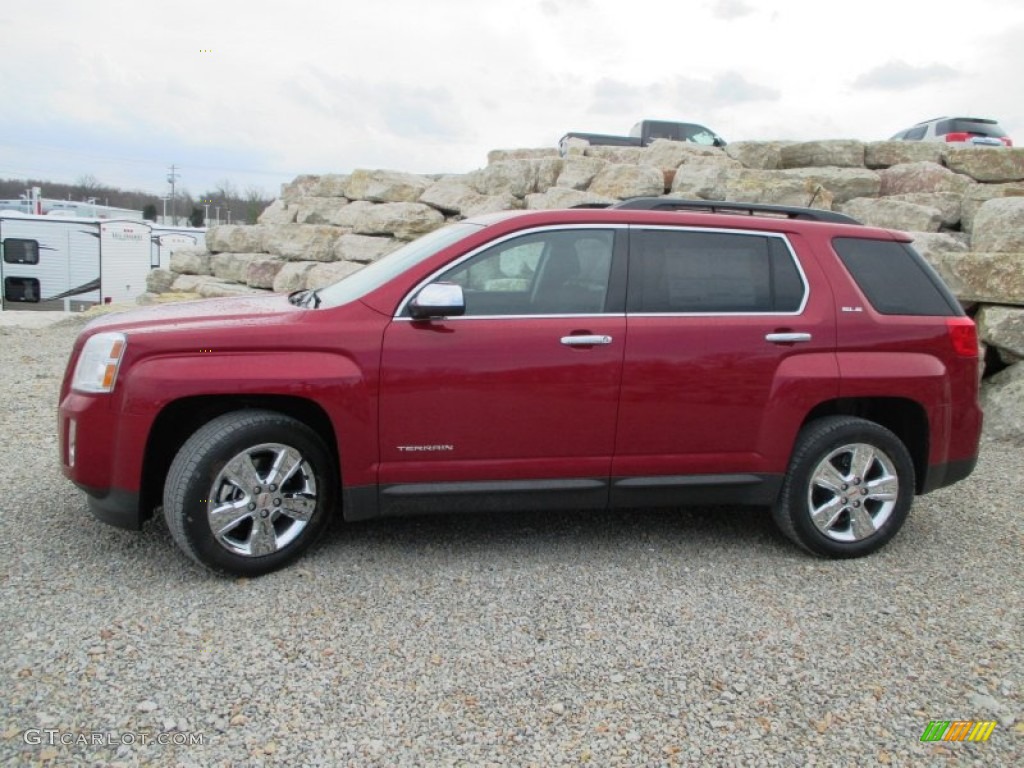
(401,313)
(720,230)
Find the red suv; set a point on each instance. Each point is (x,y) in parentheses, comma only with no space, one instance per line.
(658,352)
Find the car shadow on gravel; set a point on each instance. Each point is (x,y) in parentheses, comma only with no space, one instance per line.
(695,529)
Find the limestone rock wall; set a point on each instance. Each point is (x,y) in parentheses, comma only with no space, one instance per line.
(964,207)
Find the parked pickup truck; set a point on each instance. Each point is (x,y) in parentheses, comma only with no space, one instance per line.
(646,131)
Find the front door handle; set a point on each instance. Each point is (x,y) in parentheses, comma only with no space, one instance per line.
(787,338)
(585,341)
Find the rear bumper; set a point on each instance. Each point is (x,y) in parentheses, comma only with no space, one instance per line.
(940,475)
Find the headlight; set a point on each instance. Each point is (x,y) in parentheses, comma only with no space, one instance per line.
(96,370)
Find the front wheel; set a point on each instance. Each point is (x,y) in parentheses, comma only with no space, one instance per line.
(249,492)
(848,490)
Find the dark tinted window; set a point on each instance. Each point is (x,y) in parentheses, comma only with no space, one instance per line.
(682,271)
(894,278)
(21,289)
(916,134)
(966,125)
(18,251)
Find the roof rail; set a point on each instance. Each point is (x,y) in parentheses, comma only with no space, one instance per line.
(750,209)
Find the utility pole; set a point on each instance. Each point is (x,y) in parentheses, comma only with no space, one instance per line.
(172,177)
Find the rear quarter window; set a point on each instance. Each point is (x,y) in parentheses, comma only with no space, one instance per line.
(895,279)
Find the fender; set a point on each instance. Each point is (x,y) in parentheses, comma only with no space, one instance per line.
(913,376)
(917,377)
(334,381)
(801,383)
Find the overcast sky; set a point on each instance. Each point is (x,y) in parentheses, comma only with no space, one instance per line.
(258,92)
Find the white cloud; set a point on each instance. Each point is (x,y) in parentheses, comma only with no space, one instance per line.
(731,9)
(314,87)
(900,76)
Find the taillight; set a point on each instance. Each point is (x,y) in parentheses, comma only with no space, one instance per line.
(965,137)
(964,336)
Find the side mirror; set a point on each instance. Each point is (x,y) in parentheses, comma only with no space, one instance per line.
(438,300)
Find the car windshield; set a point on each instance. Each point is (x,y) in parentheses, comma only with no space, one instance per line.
(374,275)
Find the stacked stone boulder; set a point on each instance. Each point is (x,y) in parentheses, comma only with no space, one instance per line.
(963,206)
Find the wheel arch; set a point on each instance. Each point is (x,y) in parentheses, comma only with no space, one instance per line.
(905,418)
(181,418)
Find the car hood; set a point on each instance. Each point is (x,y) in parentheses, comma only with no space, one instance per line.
(245,310)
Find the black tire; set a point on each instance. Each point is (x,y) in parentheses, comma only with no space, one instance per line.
(848,490)
(226,472)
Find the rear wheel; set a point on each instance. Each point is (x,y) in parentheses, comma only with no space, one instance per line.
(848,490)
(249,492)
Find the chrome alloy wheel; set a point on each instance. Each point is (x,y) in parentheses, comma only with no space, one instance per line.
(261,500)
(853,492)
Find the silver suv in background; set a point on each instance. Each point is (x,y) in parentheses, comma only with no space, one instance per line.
(975,131)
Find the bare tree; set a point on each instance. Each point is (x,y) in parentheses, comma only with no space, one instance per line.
(226,190)
(255,201)
(89,184)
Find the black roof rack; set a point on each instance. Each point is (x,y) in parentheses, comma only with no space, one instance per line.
(750,209)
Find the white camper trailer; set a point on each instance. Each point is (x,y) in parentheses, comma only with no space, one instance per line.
(166,240)
(70,263)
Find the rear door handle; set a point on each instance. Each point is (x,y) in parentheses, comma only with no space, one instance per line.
(787,338)
(585,341)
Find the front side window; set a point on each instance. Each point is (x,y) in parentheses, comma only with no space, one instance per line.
(18,251)
(563,272)
(682,271)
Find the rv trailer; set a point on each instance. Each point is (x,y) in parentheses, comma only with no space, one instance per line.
(70,263)
(166,240)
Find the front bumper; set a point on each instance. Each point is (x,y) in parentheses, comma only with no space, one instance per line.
(115,507)
(102,455)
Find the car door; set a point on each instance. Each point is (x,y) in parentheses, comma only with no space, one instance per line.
(518,394)
(727,350)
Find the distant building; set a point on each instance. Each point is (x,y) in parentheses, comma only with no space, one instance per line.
(33,203)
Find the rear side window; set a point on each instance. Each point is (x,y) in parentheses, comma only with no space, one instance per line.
(18,251)
(894,278)
(681,271)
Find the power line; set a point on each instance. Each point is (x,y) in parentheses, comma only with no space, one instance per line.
(139,161)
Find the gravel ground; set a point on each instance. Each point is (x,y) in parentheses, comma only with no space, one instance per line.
(652,638)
